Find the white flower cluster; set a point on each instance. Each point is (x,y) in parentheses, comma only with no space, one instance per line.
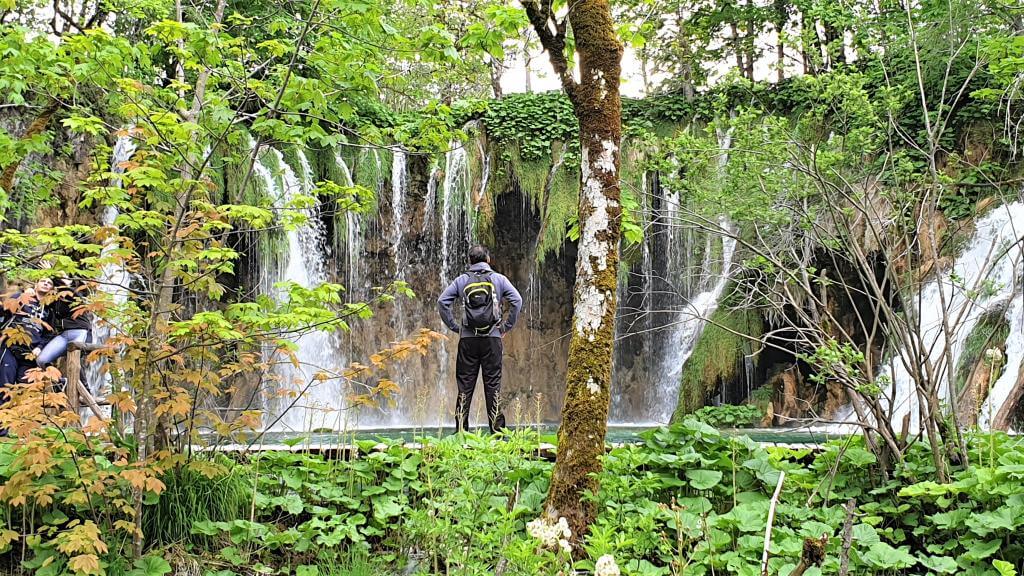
(994,355)
(551,535)
(606,566)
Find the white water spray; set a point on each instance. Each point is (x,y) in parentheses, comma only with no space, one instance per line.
(316,404)
(983,278)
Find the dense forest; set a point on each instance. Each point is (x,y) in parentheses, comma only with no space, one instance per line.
(770,253)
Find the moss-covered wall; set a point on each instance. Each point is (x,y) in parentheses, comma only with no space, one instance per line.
(718,356)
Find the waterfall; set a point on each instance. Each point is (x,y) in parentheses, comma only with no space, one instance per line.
(354,235)
(981,279)
(485,162)
(430,202)
(114,277)
(680,240)
(399,179)
(454,220)
(687,329)
(316,404)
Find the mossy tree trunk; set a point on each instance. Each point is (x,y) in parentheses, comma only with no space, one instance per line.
(34,129)
(597,105)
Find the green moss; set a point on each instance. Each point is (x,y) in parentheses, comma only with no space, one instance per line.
(371,168)
(717,357)
(955,241)
(991,331)
(291,158)
(557,208)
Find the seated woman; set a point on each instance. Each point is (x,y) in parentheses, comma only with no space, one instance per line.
(69,322)
(26,330)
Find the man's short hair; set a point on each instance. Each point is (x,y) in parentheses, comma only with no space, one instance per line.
(479,254)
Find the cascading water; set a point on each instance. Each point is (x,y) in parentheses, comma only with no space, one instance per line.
(455,193)
(677,276)
(981,279)
(399,179)
(114,277)
(485,163)
(317,404)
(691,322)
(431,200)
(354,235)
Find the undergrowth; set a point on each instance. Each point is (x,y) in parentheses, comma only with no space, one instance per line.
(684,500)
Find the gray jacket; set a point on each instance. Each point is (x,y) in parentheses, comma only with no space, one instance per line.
(505,291)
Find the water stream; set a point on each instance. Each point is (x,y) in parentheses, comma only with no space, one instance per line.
(317,404)
(114,279)
(984,278)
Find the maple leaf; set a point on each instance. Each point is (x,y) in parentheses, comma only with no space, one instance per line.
(85,564)
(6,537)
(126,526)
(154,485)
(137,478)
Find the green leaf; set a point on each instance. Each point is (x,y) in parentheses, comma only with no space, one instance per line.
(1002,518)
(704,479)
(386,507)
(150,566)
(940,564)
(882,555)
(1004,567)
(55,517)
(865,535)
(981,549)
(307,570)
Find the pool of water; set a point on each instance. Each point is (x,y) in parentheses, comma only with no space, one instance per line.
(617,433)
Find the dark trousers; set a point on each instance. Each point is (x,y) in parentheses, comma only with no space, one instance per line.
(476,355)
(13,366)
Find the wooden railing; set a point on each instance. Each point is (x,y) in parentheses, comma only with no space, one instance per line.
(77,392)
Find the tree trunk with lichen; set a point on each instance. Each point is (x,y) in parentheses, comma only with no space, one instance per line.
(596,102)
(37,127)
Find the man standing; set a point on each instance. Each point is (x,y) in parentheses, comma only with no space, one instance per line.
(481,290)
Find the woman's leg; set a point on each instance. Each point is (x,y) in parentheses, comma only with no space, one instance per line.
(54,349)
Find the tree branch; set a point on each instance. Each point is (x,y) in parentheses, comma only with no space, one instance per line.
(542,18)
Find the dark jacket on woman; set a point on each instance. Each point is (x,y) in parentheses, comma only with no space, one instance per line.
(32,318)
(69,297)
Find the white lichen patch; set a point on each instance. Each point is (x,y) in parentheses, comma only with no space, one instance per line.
(591,303)
(590,309)
(593,387)
(606,160)
(602,84)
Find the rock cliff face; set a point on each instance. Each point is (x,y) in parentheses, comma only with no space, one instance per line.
(429,211)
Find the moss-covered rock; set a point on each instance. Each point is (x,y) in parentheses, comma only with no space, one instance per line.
(718,356)
(990,332)
(974,372)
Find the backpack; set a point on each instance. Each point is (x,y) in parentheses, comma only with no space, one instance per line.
(480,302)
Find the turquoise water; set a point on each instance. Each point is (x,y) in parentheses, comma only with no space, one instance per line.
(616,434)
